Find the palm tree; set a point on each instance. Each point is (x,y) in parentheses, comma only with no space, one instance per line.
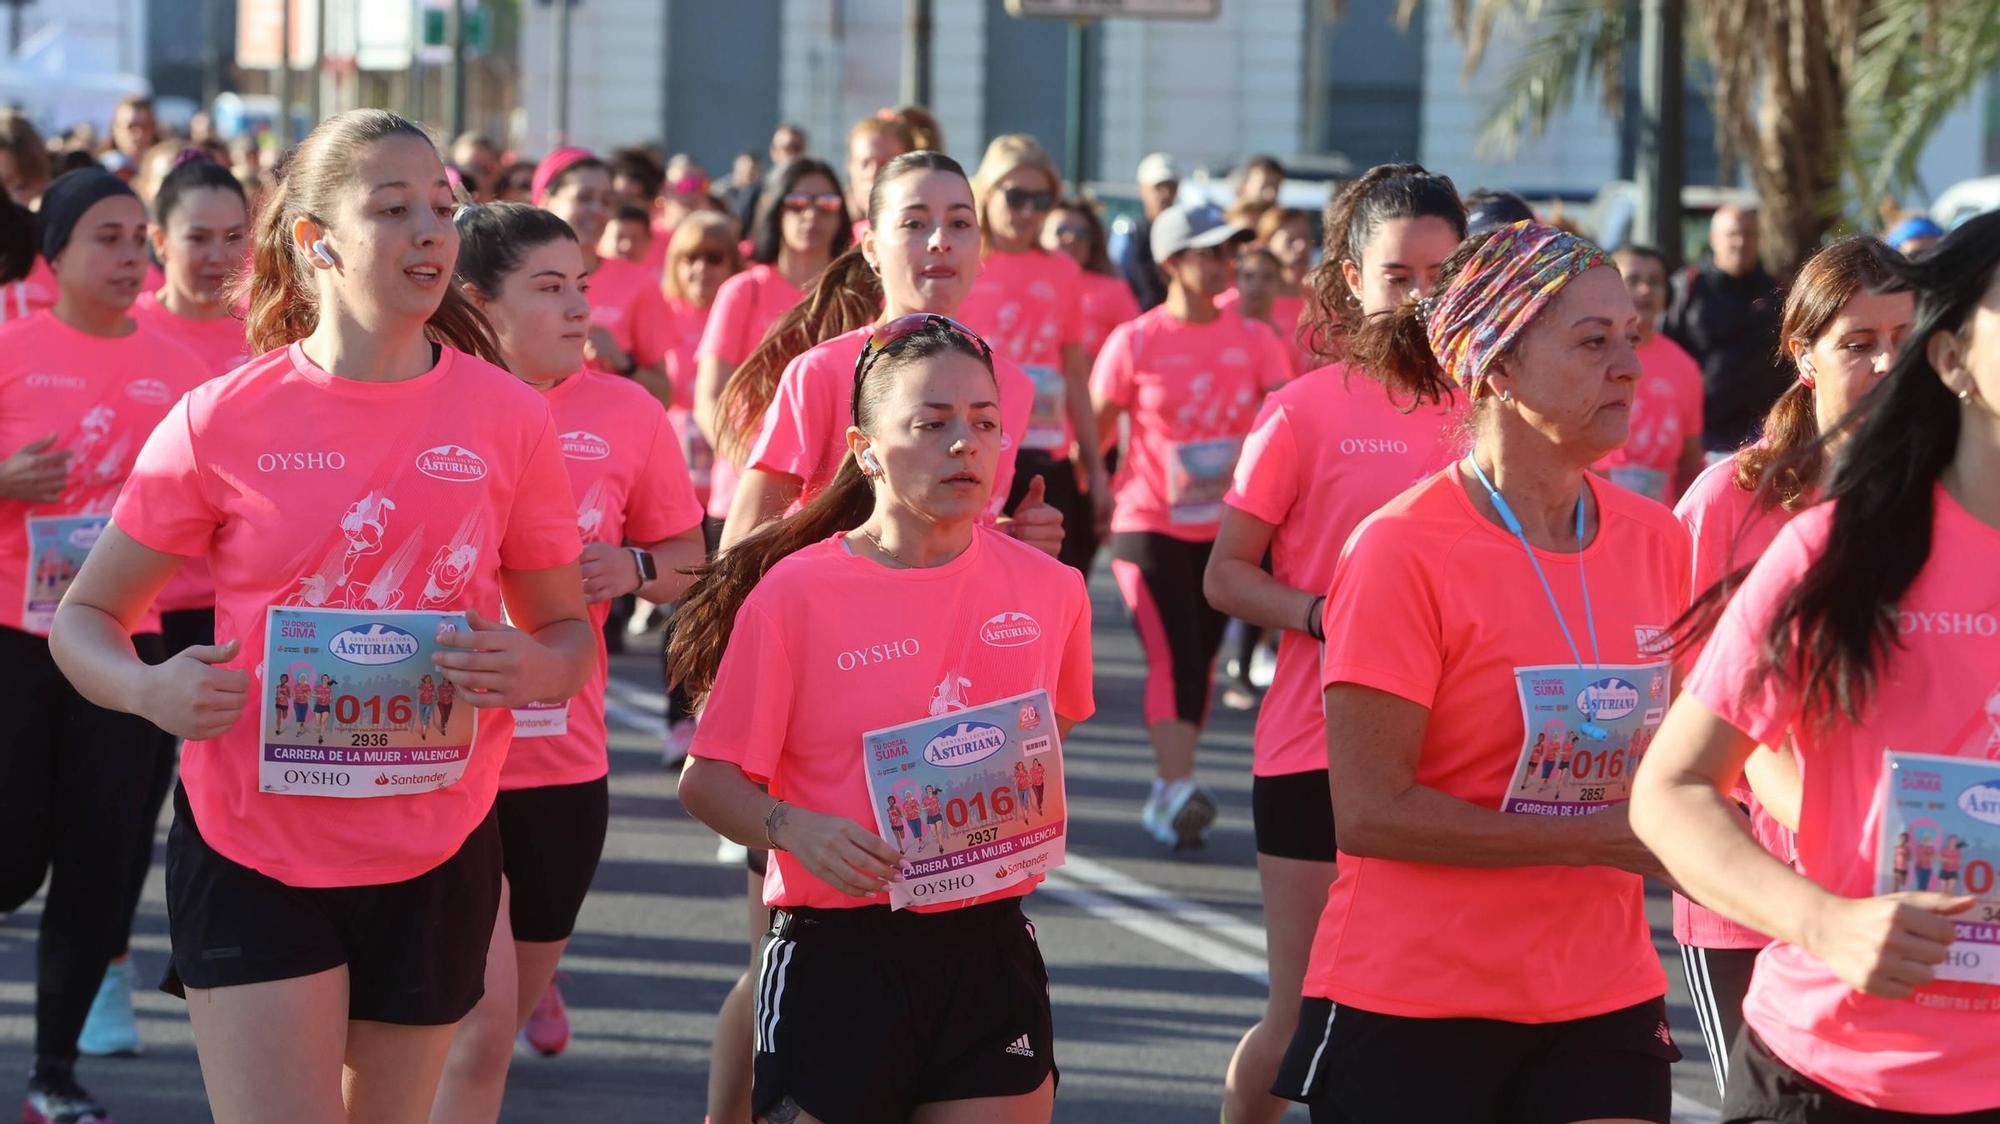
(1827,102)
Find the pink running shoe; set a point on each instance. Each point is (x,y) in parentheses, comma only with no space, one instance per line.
(547,1031)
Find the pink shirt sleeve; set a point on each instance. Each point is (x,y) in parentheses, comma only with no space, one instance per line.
(1073,327)
(1111,375)
(1731,676)
(749,709)
(164,505)
(541,525)
(1384,626)
(1074,694)
(1267,474)
(798,426)
(663,502)
(729,322)
(651,326)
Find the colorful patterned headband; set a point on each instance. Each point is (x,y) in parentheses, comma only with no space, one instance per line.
(1504,285)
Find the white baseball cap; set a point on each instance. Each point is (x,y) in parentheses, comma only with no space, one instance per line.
(1158,168)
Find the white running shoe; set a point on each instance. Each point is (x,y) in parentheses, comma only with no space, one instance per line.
(1153,818)
(1188,810)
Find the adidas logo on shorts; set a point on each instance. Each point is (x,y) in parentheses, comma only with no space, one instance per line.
(1020,1047)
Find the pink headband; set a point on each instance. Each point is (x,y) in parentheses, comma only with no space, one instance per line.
(1500,290)
(554,165)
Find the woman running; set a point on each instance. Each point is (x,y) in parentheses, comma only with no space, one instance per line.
(1286,234)
(897,535)
(81,384)
(1329,448)
(1664,455)
(330,922)
(426,705)
(1192,379)
(894,808)
(1075,228)
(788,405)
(1029,303)
(797,233)
(1844,319)
(575,186)
(1859,629)
(668,322)
(1506,592)
(524,269)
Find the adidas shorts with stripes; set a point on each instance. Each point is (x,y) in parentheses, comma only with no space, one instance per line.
(863,1014)
(1360,1067)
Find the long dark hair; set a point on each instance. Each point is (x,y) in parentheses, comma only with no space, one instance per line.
(766,237)
(846,296)
(1099,258)
(1834,276)
(707,614)
(1382,193)
(1833,632)
(196,173)
(20,239)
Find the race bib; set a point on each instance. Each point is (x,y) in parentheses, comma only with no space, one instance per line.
(57,545)
(355,724)
(978,797)
(1198,478)
(541,720)
(1586,729)
(1048,422)
(1941,831)
(696,451)
(1648,482)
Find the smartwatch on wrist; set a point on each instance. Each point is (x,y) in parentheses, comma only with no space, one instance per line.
(647,569)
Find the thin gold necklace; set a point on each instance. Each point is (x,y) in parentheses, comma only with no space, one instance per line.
(896,558)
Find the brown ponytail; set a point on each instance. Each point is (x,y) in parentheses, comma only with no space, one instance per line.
(708,612)
(845,296)
(1394,350)
(279,289)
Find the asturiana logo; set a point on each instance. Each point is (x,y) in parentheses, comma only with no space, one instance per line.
(1010,629)
(84,536)
(151,391)
(1981,802)
(965,744)
(451,462)
(1608,699)
(580,445)
(373,645)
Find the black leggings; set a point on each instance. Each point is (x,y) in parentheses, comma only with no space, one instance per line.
(77,783)
(1079,545)
(1160,577)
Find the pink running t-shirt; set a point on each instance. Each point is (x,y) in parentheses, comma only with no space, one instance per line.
(630,484)
(1729,530)
(1028,306)
(1328,450)
(1435,604)
(666,331)
(1934,1052)
(831,645)
(1107,303)
(1666,411)
(1285,313)
(614,287)
(805,428)
(32,293)
(745,308)
(220,345)
(347,513)
(1191,393)
(100,398)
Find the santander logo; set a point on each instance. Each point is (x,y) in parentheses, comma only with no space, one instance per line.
(581,445)
(451,462)
(150,391)
(1010,629)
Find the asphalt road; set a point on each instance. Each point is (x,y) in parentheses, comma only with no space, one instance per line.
(1154,960)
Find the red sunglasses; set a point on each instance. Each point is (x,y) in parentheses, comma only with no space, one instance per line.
(830,203)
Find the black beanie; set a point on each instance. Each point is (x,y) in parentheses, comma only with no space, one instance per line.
(66,200)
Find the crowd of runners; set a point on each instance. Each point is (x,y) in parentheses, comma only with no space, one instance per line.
(1578,574)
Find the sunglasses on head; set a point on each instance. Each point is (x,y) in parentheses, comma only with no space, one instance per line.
(888,335)
(827,202)
(1021,199)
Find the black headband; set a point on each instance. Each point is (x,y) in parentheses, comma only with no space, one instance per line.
(69,198)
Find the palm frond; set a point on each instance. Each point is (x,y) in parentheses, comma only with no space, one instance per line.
(1916,62)
(1579,42)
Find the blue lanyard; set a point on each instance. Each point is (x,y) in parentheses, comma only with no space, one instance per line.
(1590,728)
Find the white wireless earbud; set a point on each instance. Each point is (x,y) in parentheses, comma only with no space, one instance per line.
(1806,373)
(869,462)
(320,252)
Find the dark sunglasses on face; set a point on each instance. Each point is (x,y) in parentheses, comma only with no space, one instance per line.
(1077,233)
(709,257)
(828,203)
(1021,199)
